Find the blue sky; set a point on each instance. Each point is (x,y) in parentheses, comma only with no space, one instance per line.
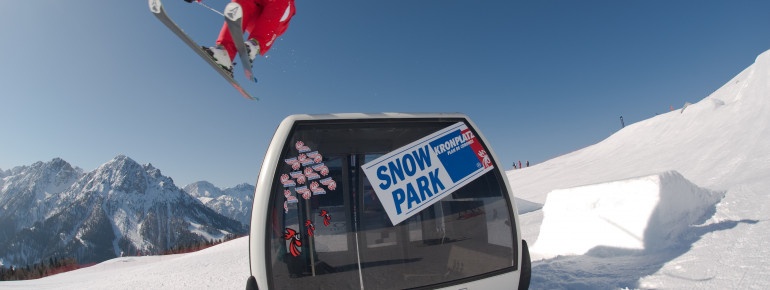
(90,79)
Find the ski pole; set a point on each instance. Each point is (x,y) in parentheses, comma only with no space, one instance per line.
(212,9)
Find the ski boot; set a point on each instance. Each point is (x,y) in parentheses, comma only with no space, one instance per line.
(219,54)
(252,46)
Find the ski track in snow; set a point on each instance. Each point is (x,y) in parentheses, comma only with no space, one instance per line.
(721,143)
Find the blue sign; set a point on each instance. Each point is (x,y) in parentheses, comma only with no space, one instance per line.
(413,177)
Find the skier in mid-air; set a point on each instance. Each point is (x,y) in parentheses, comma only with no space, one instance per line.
(264,20)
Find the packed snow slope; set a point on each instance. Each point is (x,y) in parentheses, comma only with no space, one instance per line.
(720,144)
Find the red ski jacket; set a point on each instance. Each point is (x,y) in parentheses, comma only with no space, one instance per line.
(264,20)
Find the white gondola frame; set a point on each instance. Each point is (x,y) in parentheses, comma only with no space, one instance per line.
(257,242)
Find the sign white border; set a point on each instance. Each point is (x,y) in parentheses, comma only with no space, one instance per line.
(405,177)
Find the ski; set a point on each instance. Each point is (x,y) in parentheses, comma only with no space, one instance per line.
(157,8)
(234,18)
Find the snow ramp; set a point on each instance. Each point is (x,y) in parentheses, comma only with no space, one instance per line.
(644,213)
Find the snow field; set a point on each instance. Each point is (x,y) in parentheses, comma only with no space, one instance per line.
(225,266)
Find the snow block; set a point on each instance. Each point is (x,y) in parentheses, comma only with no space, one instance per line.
(640,214)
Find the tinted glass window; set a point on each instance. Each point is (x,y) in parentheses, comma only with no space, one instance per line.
(329,231)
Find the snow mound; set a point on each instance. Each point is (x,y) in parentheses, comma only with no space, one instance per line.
(525,206)
(645,213)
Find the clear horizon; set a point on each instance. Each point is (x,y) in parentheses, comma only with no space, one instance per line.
(89,80)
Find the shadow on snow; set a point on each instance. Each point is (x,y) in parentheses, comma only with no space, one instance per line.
(609,267)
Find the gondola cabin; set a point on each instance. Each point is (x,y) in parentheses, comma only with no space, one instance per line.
(384,201)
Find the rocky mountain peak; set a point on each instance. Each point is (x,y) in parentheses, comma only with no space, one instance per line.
(119,208)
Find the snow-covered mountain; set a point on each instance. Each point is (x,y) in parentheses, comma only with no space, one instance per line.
(28,193)
(122,207)
(233,202)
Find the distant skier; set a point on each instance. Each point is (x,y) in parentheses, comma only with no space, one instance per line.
(264,20)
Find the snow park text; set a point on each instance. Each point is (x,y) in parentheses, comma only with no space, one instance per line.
(406,167)
(409,179)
